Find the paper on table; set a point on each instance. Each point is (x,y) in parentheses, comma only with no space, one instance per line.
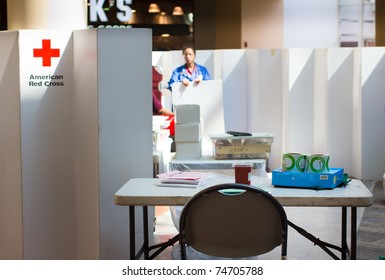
(175,185)
(182,175)
(183,179)
(176,181)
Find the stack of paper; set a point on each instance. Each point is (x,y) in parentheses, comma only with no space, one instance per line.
(184,179)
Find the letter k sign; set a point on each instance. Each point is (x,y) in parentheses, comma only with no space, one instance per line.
(46,53)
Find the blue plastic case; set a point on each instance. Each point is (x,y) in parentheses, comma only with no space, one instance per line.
(325,180)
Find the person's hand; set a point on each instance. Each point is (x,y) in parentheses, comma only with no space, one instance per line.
(198,79)
(185,82)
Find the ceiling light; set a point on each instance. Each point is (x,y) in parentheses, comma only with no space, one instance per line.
(153,8)
(178,11)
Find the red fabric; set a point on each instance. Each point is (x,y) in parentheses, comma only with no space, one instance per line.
(171,126)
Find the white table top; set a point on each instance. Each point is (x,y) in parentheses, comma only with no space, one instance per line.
(144,191)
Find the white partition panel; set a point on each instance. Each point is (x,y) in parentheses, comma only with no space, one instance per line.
(320,100)
(206,58)
(299,118)
(125,127)
(373,113)
(162,59)
(46,86)
(75,125)
(217,71)
(339,114)
(235,89)
(175,60)
(357,116)
(11,220)
(265,83)
(85,144)
(156,58)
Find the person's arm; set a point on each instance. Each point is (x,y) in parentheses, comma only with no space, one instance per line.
(177,76)
(157,107)
(166,112)
(206,74)
(174,78)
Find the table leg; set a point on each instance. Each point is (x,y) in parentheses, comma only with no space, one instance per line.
(145,233)
(353,245)
(132,232)
(344,246)
(146,248)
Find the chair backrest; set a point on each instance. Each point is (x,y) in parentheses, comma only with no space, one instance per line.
(233,221)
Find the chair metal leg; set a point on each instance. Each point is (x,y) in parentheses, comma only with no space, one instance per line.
(323,245)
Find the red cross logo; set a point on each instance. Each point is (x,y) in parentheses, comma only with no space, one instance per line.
(46,52)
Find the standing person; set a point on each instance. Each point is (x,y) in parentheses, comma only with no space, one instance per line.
(190,71)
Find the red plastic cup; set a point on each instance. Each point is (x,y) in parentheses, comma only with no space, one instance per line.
(242,172)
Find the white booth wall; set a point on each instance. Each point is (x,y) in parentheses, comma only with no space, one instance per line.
(113,139)
(11,237)
(67,148)
(313,100)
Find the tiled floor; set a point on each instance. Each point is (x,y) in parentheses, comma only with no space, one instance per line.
(323,222)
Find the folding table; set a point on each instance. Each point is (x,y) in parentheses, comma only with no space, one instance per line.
(144,192)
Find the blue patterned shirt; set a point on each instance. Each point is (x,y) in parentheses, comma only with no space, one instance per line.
(181,73)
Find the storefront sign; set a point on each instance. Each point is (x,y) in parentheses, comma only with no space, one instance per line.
(109,13)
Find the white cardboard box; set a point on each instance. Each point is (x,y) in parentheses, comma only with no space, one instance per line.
(188,150)
(188,132)
(187,113)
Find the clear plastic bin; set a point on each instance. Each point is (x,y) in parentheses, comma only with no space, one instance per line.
(257,146)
